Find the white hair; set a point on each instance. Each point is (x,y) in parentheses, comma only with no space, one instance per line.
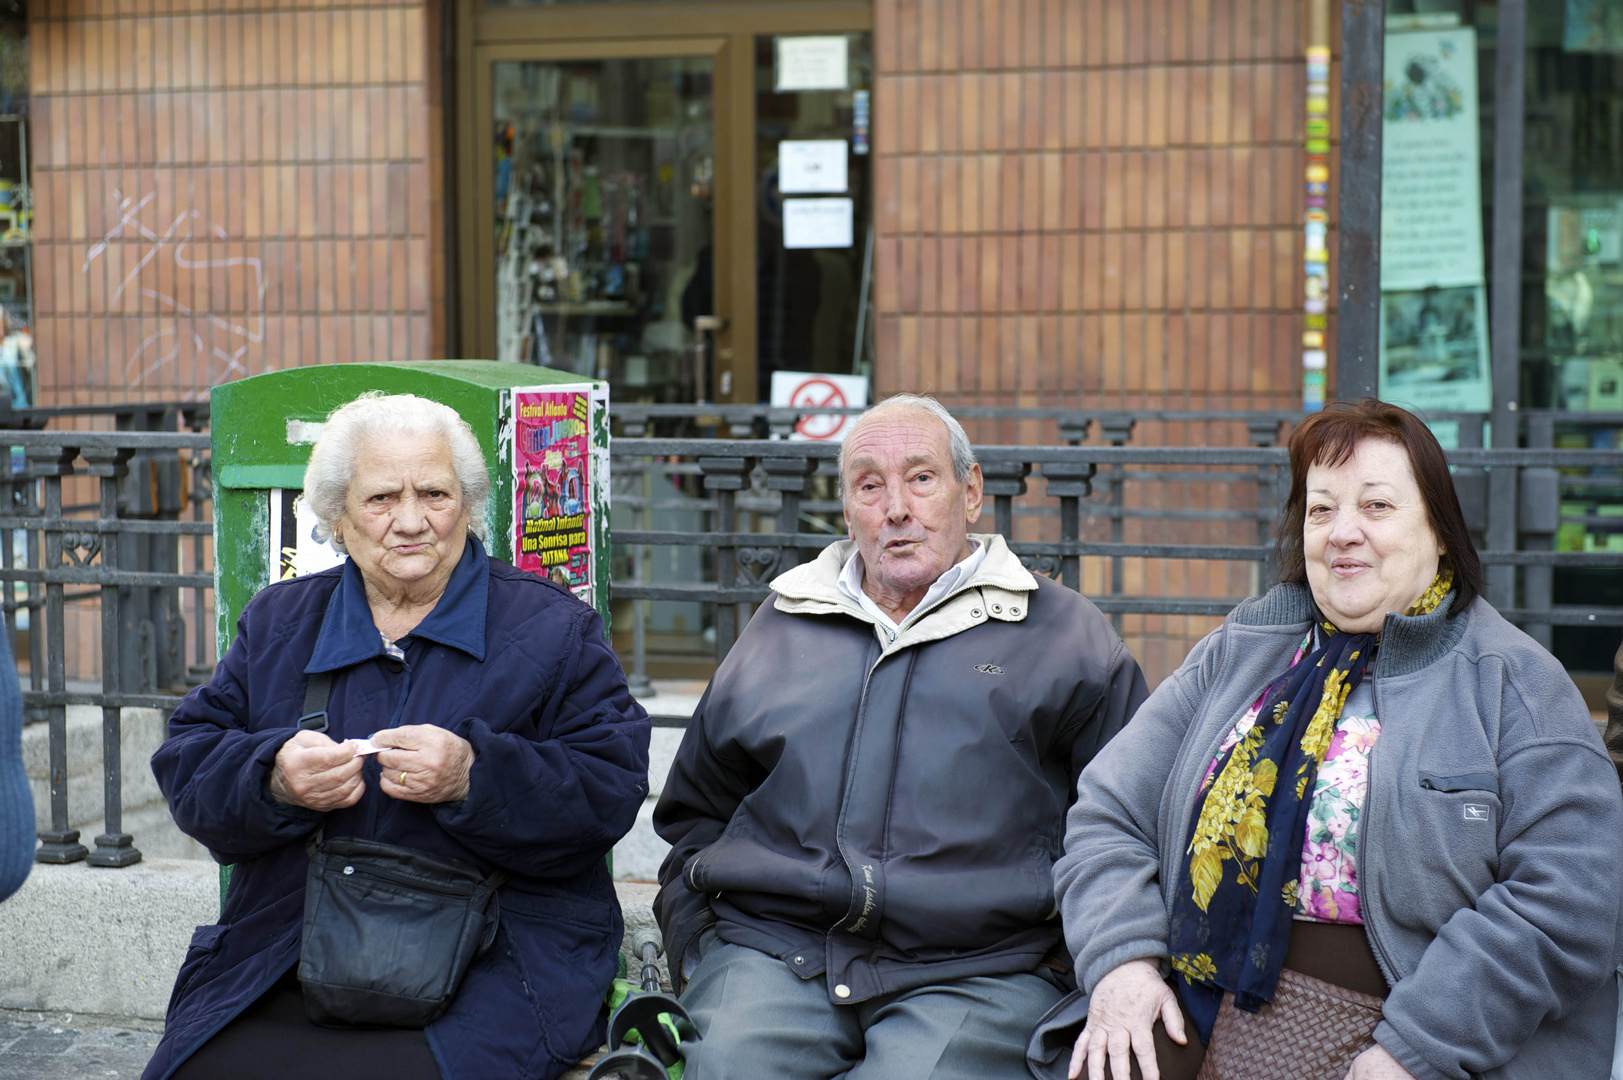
(963,455)
(374,418)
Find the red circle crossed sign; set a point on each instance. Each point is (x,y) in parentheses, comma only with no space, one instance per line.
(819,393)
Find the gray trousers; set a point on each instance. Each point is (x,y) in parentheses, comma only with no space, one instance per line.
(760,1020)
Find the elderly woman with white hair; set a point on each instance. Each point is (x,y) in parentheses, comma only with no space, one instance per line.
(424,714)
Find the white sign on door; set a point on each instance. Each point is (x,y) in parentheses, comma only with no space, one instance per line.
(812,166)
(804,389)
(817,223)
(812,63)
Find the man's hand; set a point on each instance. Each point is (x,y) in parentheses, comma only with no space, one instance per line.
(1376,1064)
(316,773)
(1122,1011)
(423,763)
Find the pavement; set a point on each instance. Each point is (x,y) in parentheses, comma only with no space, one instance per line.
(68,1046)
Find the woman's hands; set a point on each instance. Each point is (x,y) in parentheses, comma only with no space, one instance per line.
(1376,1064)
(423,763)
(316,773)
(419,763)
(1122,1011)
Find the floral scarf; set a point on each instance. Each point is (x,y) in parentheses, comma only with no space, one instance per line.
(1232,910)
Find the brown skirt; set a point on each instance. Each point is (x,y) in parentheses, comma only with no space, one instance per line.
(1323,1015)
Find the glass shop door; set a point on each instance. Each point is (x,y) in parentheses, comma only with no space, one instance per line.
(676,197)
(599,245)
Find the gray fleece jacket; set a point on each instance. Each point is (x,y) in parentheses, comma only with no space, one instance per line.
(1490,853)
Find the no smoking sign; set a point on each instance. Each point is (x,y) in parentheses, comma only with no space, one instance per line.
(809,390)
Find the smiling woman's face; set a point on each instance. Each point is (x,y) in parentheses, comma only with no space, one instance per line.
(1369,545)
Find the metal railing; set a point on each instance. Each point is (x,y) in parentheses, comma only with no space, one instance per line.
(121,520)
(1065,508)
(123,550)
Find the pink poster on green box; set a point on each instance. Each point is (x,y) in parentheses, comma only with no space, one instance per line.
(552,485)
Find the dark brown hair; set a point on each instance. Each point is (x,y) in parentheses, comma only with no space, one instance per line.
(1330,438)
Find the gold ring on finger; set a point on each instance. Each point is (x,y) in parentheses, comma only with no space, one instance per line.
(402,778)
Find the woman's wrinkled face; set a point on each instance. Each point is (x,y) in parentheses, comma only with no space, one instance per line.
(405,523)
(1369,544)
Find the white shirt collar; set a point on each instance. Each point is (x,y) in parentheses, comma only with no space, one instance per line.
(851,585)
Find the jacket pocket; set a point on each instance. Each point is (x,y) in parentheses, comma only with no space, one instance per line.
(1476,781)
(566,967)
(204,945)
(1450,825)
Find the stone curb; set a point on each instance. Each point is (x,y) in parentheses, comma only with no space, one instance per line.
(84,939)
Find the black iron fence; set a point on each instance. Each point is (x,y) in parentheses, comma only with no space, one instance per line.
(1081,503)
(118,523)
(122,548)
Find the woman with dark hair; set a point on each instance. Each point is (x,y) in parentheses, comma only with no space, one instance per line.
(1367,831)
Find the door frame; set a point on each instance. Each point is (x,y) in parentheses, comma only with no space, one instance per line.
(723,29)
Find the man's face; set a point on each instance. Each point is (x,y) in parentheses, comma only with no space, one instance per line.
(909,517)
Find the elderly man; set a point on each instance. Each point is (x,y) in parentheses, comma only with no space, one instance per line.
(867,805)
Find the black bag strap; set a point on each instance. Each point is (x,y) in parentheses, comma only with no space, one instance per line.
(316,693)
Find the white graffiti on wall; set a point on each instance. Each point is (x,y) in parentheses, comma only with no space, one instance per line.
(222,353)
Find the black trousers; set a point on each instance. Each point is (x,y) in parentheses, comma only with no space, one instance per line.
(272,1040)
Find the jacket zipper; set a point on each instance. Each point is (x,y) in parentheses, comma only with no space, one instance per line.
(1372,912)
(845,784)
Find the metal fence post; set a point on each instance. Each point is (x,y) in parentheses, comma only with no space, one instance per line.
(1264,433)
(787,476)
(114,847)
(639,682)
(1005,480)
(1070,484)
(1116,431)
(725,476)
(1539,516)
(59,843)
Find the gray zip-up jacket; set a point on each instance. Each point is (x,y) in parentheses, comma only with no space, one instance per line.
(1490,851)
(887,811)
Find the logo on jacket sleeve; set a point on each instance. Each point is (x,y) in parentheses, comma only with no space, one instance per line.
(1476,811)
(988,669)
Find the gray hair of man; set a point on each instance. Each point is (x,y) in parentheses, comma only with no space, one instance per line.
(963,455)
(374,420)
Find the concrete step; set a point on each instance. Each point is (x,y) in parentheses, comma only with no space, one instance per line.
(83,939)
(141,732)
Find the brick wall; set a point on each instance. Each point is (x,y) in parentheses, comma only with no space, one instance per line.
(224,187)
(1089,201)
(1097,202)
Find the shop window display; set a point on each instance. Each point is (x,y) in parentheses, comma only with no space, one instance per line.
(604,219)
(16,211)
(1571,345)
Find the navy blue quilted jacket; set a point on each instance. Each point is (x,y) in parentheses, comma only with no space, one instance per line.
(511,663)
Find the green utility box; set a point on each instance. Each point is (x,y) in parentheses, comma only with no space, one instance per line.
(545,435)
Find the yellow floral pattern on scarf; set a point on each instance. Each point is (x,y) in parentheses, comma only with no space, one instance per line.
(1233,820)
(1233,823)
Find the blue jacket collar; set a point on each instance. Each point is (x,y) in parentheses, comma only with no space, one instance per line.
(349,636)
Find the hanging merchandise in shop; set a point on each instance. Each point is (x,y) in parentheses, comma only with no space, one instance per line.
(1316,265)
(603,173)
(1434,316)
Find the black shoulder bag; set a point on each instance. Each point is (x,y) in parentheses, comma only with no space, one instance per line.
(389,931)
